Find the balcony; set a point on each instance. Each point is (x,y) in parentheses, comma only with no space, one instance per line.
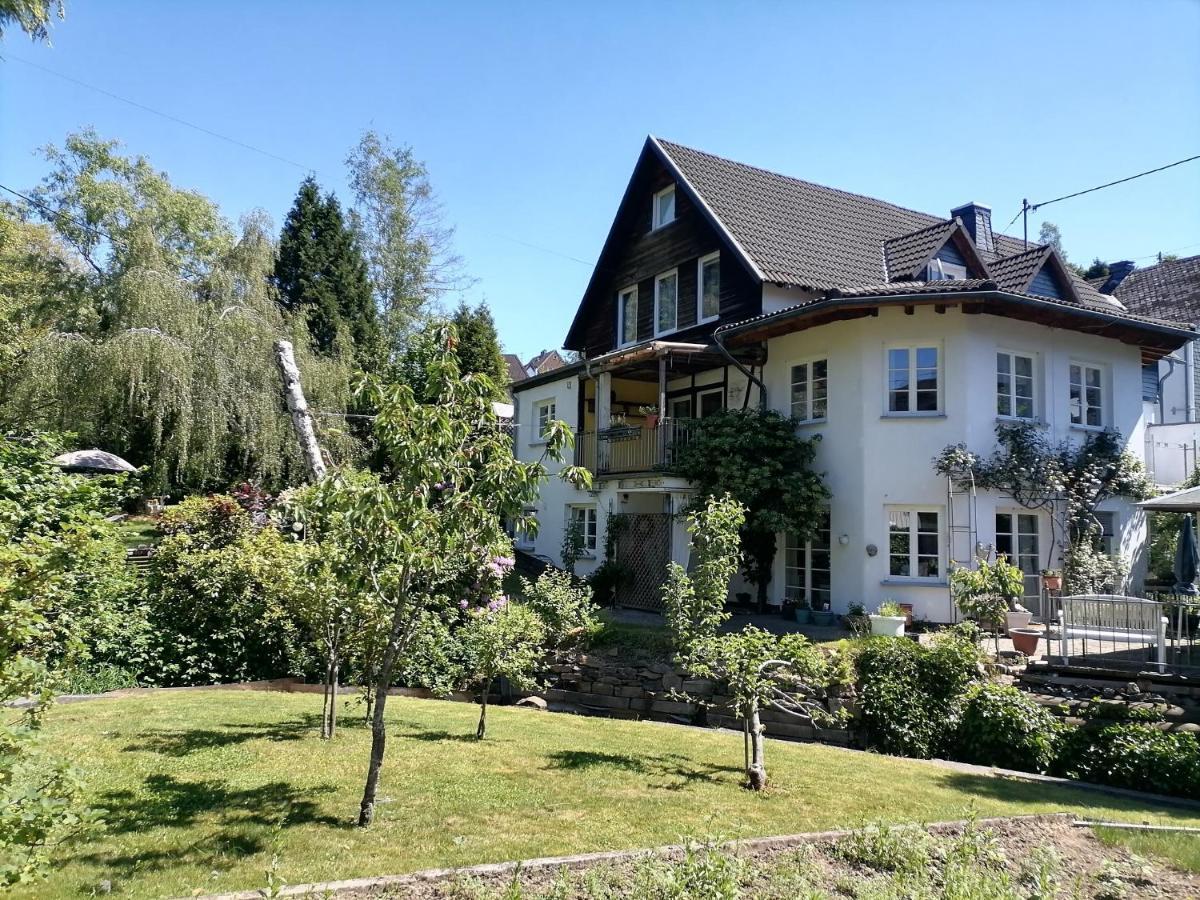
(632,449)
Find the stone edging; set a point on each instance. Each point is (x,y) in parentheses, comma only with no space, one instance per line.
(583,860)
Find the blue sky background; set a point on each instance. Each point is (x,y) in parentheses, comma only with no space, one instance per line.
(530,115)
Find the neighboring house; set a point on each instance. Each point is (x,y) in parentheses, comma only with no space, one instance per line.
(1167,290)
(891,333)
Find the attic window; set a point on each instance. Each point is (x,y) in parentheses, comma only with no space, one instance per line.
(940,270)
(664,207)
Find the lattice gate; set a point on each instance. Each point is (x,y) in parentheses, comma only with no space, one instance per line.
(645,547)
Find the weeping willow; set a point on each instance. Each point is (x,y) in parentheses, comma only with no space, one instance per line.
(175,370)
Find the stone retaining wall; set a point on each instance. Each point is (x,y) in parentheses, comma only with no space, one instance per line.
(608,683)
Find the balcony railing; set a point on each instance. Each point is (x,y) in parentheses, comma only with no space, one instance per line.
(626,449)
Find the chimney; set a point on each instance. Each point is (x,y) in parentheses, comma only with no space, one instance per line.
(978,221)
(1117,272)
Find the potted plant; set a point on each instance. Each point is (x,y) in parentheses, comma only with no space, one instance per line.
(822,616)
(1019,617)
(1052,579)
(888,620)
(987,593)
(857,621)
(651,414)
(801,613)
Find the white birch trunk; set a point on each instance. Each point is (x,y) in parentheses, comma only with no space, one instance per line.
(298,407)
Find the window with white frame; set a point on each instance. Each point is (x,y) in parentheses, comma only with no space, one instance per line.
(940,270)
(708,288)
(1018,538)
(913,380)
(807,567)
(1108,532)
(664,207)
(627,315)
(1014,385)
(545,412)
(585,518)
(914,542)
(523,537)
(1087,395)
(712,401)
(810,390)
(666,302)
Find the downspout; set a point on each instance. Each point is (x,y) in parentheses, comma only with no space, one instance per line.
(750,376)
(1162,400)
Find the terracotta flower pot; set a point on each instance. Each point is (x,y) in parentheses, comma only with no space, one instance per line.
(1052,582)
(1025,640)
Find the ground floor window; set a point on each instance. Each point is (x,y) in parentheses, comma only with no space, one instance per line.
(914,539)
(585,517)
(807,567)
(1108,532)
(1017,537)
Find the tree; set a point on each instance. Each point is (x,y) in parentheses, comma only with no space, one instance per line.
(160,344)
(757,458)
(751,661)
(321,273)
(502,639)
(478,348)
(399,222)
(437,519)
(1098,269)
(1049,234)
(31,16)
(987,592)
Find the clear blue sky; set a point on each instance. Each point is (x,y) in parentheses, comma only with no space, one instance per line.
(530,116)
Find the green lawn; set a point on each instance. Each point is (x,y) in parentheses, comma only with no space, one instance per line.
(203,789)
(1180,849)
(138,532)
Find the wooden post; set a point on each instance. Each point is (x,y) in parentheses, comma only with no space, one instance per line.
(298,407)
(662,409)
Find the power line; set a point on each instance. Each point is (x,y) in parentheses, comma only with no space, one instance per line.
(165,115)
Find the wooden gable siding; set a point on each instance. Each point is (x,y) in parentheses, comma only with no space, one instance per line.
(1044,284)
(950,254)
(636,255)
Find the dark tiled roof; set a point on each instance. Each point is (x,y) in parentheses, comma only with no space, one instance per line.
(1016,271)
(902,255)
(801,233)
(1169,290)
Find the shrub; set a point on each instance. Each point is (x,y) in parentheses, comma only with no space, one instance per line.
(564,606)
(1001,726)
(909,692)
(1133,755)
(221,598)
(608,579)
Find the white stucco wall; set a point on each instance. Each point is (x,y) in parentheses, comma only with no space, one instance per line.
(872,460)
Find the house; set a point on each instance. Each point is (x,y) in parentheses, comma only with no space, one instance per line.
(1167,290)
(890,333)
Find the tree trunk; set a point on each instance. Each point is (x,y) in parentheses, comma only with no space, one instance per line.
(757,774)
(293,392)
(325,703)
(483,698)
(383,679)
(333,695)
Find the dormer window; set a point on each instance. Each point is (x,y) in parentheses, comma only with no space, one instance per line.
(664,207)
(940,270)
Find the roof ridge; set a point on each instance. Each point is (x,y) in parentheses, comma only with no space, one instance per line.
(667,144)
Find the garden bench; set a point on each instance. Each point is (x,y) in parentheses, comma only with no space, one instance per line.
(1113,619)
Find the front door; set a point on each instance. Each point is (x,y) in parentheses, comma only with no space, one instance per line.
(1017,537)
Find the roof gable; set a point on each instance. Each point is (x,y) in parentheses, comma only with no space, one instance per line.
(907,257)
(1039,271)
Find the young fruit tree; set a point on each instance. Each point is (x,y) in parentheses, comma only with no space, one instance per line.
(759,668)
(502,639)
(438,511)
(987,592)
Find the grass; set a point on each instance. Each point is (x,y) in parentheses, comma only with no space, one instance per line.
(138,532)
(650,640)
(1180,849)
(203,789)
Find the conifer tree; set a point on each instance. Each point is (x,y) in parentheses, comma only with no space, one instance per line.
(320,271)
(478,349)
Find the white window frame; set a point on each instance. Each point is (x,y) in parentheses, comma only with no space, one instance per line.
(1012,376)
(802,553)
(914,533)
(810,382)
(591,529)
(913,347)
(544,412)
(1030,579)
(523,539)
(658,280)
(1110,543)
(621,295)
(1084,406)
(940,270)
(700,264)
(701,393)
(655,222)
